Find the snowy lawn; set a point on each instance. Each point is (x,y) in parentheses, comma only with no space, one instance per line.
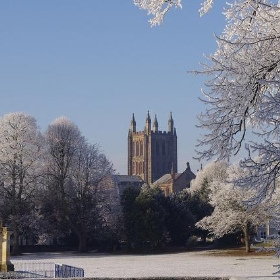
(202,263)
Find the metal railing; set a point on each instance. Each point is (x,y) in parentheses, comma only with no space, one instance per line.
(46,270)
(67,271)
(35,269)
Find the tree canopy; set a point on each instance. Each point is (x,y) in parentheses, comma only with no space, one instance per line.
(242,88)
(50,183)
(21,150)
(232,210)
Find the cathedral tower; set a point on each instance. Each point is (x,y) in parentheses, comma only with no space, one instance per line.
(152,153)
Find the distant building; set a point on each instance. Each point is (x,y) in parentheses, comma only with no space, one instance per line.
(175,182)
(125,181)
(152,153)
(269,230)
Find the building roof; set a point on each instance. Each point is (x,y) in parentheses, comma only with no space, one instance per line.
(189,175)
(166,179)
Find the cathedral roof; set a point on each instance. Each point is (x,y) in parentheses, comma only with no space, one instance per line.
(166,178)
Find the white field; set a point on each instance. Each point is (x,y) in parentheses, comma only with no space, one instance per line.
(178,264)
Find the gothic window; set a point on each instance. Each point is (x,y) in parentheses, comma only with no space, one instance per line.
(133,168)
(141,149)
(134,149)
(137,148)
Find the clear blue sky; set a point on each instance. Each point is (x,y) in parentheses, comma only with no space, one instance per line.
(97,62)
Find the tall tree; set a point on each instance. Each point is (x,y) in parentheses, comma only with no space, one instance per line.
(243,95)
(88,203)
(74,170)
(243,89)
(201,190)
(63,139)
(21,149)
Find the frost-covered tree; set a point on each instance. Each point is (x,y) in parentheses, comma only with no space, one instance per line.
(232,210)
(63,140)
(242,100)
(243,96)
(74,170)
(88,204)
(214,171)
(21,148)
(201,189)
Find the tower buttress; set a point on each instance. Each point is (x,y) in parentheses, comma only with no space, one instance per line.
(172,172)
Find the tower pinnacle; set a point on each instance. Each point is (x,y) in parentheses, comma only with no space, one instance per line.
(148,123)
(170,123)
(155,124)
(133,124)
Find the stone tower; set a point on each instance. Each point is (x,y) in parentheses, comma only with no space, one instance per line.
(152,153)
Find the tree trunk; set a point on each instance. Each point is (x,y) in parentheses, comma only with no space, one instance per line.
(15,250)
(246,237)
(82,243)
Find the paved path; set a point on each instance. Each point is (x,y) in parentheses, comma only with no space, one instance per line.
(180,264)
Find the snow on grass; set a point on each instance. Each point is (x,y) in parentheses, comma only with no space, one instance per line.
(158,265)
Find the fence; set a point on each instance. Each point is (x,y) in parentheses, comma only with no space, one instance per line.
(46,270)
(35,270)
(66,271)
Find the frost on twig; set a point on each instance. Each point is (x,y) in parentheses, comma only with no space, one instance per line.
(157,8)
(205,7)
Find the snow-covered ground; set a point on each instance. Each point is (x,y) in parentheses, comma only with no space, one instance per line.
(178,264)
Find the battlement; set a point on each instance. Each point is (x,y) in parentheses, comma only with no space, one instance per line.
(152,132)
(161,132)
(139,132)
